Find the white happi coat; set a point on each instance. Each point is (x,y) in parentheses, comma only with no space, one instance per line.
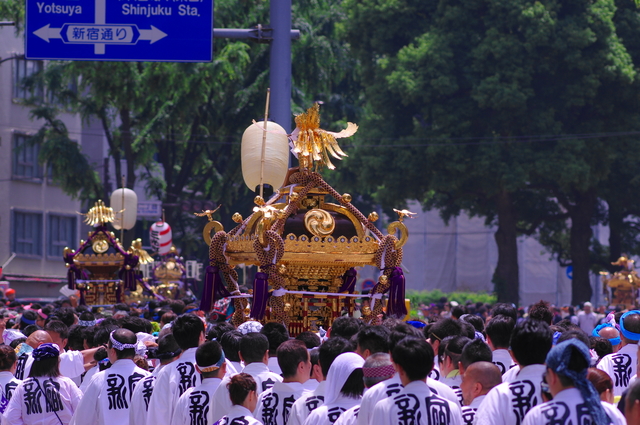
(71,364)
(274,405)
(393,386)
(36,401)
(274,366)
(620,366)
(23,366)
(469,412)
(194,406)
(567,407)
(375,394)
(236,367)
(350,417)
(87,377)
(435,372)
(8,384)
(502,359)
(511,374)
(140,400)
(311,385)
(238,415)
(329,413)
(157,369)
(453,382)
(617,417)
(264,380)
(306,404)
(442,390)
(174,379)
(509,402)
(416,404)
(108,396)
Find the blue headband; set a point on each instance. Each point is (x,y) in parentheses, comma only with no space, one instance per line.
(416,324)
(214,367)
(558,361)
(27,321)
(596,332)
(628,334)
(45,351)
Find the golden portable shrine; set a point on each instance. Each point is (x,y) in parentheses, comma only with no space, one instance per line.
(101,269)
(169,275)
(306,239)
(621,288)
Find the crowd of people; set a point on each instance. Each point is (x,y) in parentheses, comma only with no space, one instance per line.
(167,363)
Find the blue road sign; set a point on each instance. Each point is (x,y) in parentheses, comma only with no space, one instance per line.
(120,30)
(570,272)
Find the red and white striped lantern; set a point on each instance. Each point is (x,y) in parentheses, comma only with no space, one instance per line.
(161,237)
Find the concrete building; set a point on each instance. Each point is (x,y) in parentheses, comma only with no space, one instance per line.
(37,220)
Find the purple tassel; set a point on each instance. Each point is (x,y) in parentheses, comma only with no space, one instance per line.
(396,307)
(349,280)
(72,273)
(213,289)
(82,299)
(119,293)
(260,295)
(128,276)
(207,291)
(71,278)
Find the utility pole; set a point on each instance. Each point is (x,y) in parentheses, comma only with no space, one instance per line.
(279,35)
(280,66)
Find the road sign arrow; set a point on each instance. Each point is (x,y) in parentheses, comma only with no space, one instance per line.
(47,33)
(153,35)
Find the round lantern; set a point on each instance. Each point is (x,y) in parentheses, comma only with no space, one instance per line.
(276,155)
(161,237)
(127,200)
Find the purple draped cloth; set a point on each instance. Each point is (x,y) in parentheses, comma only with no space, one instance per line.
(349,280)
(260,295)
(213,289)
(396,306)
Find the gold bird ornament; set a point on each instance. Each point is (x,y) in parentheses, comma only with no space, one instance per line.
(402,214)
(312,145)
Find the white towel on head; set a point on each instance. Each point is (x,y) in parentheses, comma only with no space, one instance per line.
(9,335)
(338,374)
(249,326)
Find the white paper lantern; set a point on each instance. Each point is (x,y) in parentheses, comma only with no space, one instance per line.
(124,219)
(161,237)
(276,158)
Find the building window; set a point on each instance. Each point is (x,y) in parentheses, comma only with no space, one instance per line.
(61,233)
(25,68)
(25,159)
(27,233)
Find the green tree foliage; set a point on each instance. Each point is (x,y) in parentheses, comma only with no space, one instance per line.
(13,11)
(433,297)
(490,106)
